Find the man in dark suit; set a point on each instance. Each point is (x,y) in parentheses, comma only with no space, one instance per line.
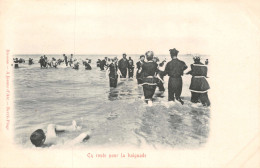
(174,69)
(123,65)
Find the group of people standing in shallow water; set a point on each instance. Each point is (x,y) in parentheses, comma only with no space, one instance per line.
(150,74)
(71,62)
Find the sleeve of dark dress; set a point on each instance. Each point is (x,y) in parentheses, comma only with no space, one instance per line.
(184,66)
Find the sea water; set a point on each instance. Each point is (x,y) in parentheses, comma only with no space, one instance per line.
(116,116)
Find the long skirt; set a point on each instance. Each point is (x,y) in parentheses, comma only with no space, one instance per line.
(148,91)
(139,77)
(123,72)
(130,72)
(149,86)
(199,84)
(113,81)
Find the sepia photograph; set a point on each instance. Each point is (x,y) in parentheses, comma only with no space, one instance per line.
(130,83)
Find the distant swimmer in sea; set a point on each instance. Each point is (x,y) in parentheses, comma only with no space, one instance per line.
(39,138)
(59,61)
(149,70)
(131,67)
(113,72)
(139,75)
(174,69)
(41,61)
(65,59)
(102,64)
(16,61)
(53,63)
(45,63)
(30,61)
(98,62)
(21,60)
(199,85)
(206,62)
(122,66)
(87,65)
(76,64)
(71,60)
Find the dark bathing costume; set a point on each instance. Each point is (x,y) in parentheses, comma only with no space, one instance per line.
(199,85)
(130,68)
(122,65)
(139,76)
(113,75)
(175,69)
(149,70)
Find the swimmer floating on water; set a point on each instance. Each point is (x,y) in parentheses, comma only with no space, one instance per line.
(41,139)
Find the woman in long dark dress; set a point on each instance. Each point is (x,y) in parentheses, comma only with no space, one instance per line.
(113,70)
(199,85)
(149,70)
(130,68)
(139,75)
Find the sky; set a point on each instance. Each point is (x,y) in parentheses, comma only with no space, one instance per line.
(112,27)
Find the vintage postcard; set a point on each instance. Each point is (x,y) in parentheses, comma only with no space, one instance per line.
(129,83)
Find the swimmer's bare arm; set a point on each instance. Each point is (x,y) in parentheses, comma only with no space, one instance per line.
(82,137)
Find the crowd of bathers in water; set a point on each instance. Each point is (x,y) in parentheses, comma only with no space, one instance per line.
(54,63)
(150,73)
(71,62)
